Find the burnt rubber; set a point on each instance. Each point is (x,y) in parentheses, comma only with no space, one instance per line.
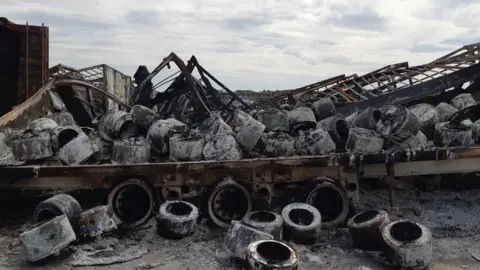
(330,200)
(366,229)
(337,128)
(228,201)
(60,204)
(273,119)
(266,221)
(447,135)
(133,202)
(271,254)
(428,117)
(302,223)
(323,108)
(398,124)
(240,235)
(445,111)
(367,119)
(301,119)
(408,244)
(47,238)
(177,219)
(364,141)
(463,101)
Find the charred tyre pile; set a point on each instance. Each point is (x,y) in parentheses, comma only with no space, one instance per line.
(142,138)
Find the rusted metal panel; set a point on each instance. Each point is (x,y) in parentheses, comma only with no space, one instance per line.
(33,44)
(279,169)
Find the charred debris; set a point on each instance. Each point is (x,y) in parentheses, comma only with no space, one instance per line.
(395,107)
(97,116)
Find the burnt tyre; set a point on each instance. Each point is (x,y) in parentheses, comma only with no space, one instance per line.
(228,201)
(366,229)
(133,202)
(177,219)
(408,244)
(239,236)
(332,202)
(271,254)
(302,223)
(60,204)
(47,238)
(266,221)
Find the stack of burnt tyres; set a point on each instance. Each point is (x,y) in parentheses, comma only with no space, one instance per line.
(407,244)
(60,221)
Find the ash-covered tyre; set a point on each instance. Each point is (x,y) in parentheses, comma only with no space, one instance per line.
(337,127)
(177,219)
(364,141)
(366,229)
(463,101)
(367,119)
(133,202)
(408,244)
(301,119)
(302,223)
(239,236)
(323,108)
(47,238)
(266,221)
(447,135)
(330,200)
(60,204)
(271,254)
(445,111)
(428,117)
(398,124)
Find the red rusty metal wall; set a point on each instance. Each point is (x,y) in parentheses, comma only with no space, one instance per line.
(32,63)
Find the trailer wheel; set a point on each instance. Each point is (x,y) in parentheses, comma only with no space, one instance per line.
(177,219)
(271,254)
(408,244)
(266,221)
(133,202)
(366,229)
(331,200)
(302,223)
(228,201)
(60,204)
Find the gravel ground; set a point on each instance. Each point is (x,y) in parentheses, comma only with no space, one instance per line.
(453,218)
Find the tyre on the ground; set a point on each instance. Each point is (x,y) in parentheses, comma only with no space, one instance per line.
(271,254)
(408,244)
(302,223)
(60,204)
(366,229)
(177,219)
(266,221)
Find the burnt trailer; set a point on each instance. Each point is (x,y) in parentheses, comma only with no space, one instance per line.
(227,189)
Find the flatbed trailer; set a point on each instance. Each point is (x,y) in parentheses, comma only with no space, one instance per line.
(259,183)
(227,189)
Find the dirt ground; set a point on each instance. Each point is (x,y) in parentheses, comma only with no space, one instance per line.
(453,218)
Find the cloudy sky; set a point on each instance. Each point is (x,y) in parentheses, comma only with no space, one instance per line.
(256,44)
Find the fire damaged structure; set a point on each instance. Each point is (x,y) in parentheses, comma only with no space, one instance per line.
(197,148)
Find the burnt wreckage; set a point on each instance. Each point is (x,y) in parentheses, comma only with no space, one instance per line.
(200,140)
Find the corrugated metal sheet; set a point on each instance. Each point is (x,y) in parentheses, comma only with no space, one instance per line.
(32,58)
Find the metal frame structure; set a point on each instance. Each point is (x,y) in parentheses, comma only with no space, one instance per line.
(187,90)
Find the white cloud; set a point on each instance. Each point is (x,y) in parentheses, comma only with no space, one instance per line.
(253,44)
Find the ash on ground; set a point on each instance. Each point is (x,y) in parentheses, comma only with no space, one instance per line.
(453,218)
